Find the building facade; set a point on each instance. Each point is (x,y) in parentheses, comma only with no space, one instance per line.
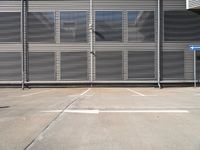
(106,41)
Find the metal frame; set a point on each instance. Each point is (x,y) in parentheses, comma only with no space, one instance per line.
(159,43)
(23,41)
(91,28)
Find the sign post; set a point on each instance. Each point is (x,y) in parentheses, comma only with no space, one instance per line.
(195,48)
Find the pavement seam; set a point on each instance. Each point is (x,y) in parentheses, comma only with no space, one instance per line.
(52,122)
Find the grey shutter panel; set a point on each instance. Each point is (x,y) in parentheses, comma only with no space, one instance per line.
(173,65)
(108,26)
(109,66)
(73,26)
(74,66)
(182,26)
(10,27)
(141,65)
(41,27)
(41,66)
(10,66)
(141,26)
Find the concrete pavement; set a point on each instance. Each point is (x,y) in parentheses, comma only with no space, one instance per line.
(100,118)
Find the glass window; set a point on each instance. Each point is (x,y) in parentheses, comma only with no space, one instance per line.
(10,27)
(73,26)
(182,26)
(108,26)
(141,26)
(41,27)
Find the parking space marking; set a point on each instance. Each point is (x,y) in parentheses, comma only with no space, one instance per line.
(145,95)
(26,95)
(50,124)
(97,111)
(85,92)
(138,93)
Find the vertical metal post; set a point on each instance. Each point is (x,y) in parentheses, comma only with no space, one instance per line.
(23,44)
(158,41)
(195,69)
(91,39)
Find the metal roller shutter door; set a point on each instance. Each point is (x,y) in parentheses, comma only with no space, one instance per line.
(41,66)
(10,66)
(109,66)
(74,66)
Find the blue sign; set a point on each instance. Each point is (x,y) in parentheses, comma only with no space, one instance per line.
(195,47)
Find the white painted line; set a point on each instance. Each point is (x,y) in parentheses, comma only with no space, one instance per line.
(96,111)
(145,95)
(145,111)
(74,111)
(138,93)
(85,92)
(26,95)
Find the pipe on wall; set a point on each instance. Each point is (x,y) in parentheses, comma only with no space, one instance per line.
(23,44)
(159,43)
(91,40)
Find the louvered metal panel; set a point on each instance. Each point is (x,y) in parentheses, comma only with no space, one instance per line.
(41,27)
(182,26)
(108,26)
(109,65)
(10,66)
(9,27)
(141,65)
(173,65)
(141,26)
(73,26)
(74,66)
(41,66)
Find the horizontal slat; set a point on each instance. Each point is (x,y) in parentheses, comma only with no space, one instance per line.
(173,65)
(74,66)
(41,66)
(141,65)
(10,66)
(109,66)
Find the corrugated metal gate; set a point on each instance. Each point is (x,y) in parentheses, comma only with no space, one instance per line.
(124,42)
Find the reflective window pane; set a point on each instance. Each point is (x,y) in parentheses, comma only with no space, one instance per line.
(141,26)
(108,26)
(73,26)
(41,27)
(10,27)
(182,26)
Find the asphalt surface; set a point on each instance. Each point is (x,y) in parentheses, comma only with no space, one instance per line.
(100,119)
